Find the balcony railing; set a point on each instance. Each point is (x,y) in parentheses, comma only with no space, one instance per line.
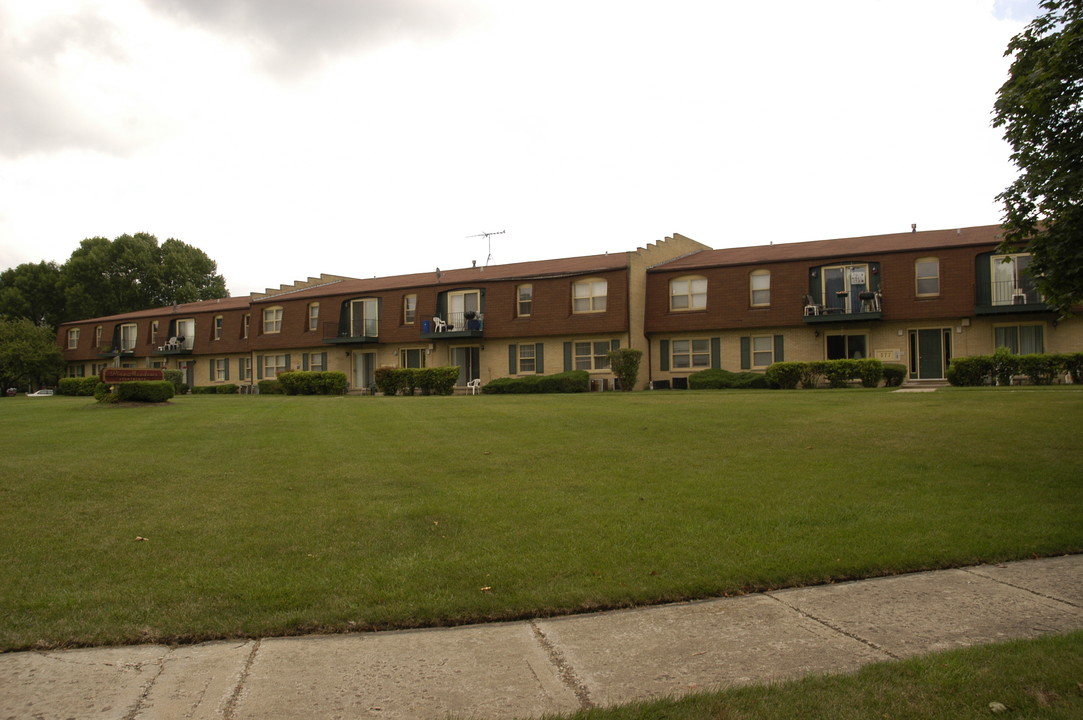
(175,346)
(1008,296)
(457,324)
(866,305)
(361,331)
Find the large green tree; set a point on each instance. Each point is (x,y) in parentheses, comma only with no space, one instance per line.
(32,291)
(107,277)
(29,355)
(1040,108)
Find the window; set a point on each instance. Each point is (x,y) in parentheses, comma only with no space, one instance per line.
(218,327)
(1012,284)
(527,359)
(843,286)
(313,316)
(525,306)
(592,355)
(128,334)
(315,362)
(364,318)
(409,309)
(98,336)
(847,347)
(463,306)
(1020,339)
(154,333)
(927,276)
(589,296)
(186,332)
(245,322)
(686,354)
(412,358)
(274,364)
(759,288)
(688,293)
(76,370)
(221,370)
(73,338)
(272,320)
(763,350)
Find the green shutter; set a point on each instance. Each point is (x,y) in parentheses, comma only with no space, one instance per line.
(288,365)
(323,360)
(746,353)
(210,367)
(304,361)
(568,364)
(240,368)
(539,358)
(226,369)
(259,367)
(716,353)
(513,360)
(815,285)
(778,348)
(985,278)
(663,349)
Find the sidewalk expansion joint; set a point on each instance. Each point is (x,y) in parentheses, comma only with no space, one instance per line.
(564,669)
(834,628)
(230,710)
(145,693)
(1024,588)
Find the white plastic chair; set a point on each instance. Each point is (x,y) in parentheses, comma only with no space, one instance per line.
(438,325)
(475,386)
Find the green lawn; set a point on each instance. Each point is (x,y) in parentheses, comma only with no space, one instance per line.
(276,515)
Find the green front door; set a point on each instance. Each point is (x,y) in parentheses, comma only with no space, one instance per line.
(930,352)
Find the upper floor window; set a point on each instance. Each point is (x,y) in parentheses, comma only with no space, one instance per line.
(843,287)
(589,296)
(462,306)
(525,300)
(98,336)
(128,334)
(927,276)
(1012,284)
(313,316)
(73,338)
(759,288)
(154,332)
(409,309)
(246,321)
(272,320)
(186,332)
(218,320)
(688,293)
(365,318)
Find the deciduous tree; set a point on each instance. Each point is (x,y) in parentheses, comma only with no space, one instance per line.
(1040,108)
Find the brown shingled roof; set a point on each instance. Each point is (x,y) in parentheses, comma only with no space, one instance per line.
(512,271)
(844,247)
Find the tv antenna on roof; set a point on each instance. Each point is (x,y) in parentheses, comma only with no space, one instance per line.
(490,242)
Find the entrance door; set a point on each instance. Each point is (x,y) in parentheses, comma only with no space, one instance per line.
(930,353)
(364,369)
(468,359)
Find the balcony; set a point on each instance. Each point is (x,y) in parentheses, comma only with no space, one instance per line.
(356,333)
(842,307)
(112,351)
(468,324)
(1007,296)
(174,346)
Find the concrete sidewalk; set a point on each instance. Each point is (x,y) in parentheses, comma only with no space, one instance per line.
(522,669)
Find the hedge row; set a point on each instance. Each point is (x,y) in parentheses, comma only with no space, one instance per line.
(574,381)
(1000,367)
(227,389)
(82,387)
(430,381)
(725,380)
(837,373)
(313,383)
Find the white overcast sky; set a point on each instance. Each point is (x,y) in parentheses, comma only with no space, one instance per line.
(286,138)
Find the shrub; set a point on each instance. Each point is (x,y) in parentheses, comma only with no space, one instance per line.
(894,374)
(1004,365)
(839,372)
(438,380)
(813,373)
(82,387)
(573,381)
(1040,369)
(313,382)
(144,391)
(870,371)
(270,387)
(785,375)
(177,378)
(970,371)
(227,389)
(725,380)
(387,380)
(204,390)
(512,386)
(624,362)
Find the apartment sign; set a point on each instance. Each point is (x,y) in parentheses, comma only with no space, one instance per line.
(111,376)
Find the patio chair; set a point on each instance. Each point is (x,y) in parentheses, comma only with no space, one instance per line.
(438,325)
(812,307)
(474,386)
